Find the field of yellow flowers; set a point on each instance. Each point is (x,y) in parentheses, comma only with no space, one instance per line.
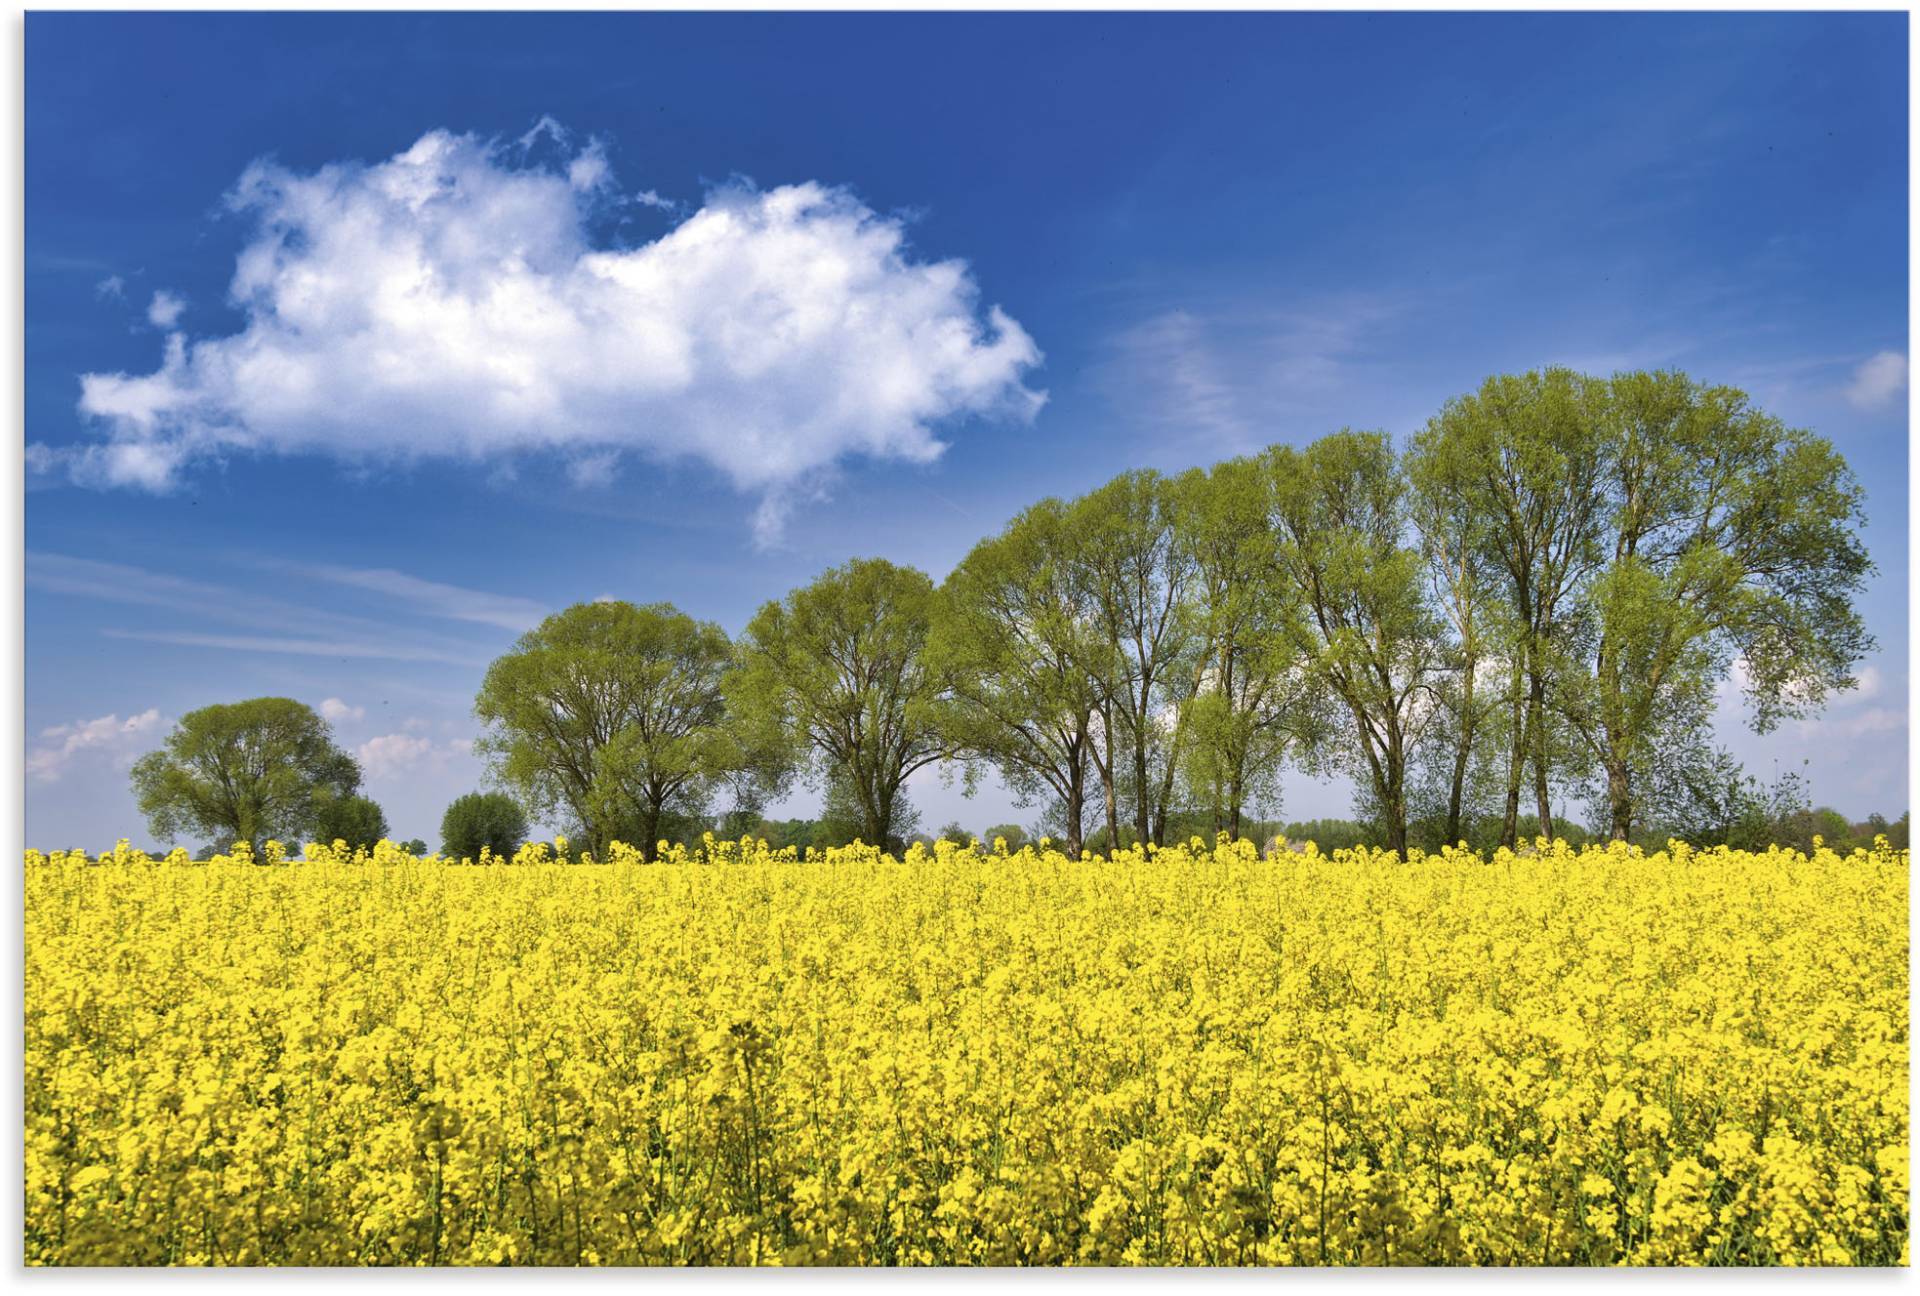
(1198,1056)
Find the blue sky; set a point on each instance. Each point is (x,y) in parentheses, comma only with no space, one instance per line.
(999,257)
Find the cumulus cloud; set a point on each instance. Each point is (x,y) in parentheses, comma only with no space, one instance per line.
(109,735)
(1878,381)
(339,712)
(452,302)
(165,309)
(405,753)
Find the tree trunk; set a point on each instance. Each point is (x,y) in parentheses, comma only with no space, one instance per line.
(1516,768)
(1619,793)
(880,820)
(1076,805)
(1537,731)
(1106,784)
(1393,810)
(649,846)
(1142,799)
(1456,793)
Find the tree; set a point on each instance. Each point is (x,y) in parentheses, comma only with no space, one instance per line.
(1339,509)
(1458,545)
(1524,457)
(838,673)
(1727,536)
(244,771)
(492,820)
(1253,704)
(414,846)
(1013,834)
(616,715)
(356,820)
(1009,636)
(1136,580)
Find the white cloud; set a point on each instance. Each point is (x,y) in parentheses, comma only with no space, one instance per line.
(165,309)
(113,286)
(449,303)
(118,739)
(593,470)
(340,712)
(1878,381)
(1867,721)
(394,754)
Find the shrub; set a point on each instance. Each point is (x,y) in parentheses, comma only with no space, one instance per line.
(490,819)
(356,820)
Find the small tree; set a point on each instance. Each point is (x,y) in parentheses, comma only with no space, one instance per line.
(355,820)
(490,819)
(1014,835)
(244,771)
(414,846)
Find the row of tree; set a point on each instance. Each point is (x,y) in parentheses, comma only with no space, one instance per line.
(1541,595)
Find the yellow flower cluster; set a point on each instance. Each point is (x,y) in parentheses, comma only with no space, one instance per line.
(1193,1055)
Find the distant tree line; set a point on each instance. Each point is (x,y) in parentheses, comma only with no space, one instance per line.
(1535,603)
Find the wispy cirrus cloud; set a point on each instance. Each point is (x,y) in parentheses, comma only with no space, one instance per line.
(450,302)
(1228,377)
(433,598)
(379,649)
(323,633)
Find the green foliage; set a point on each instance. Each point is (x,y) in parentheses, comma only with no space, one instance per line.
(1141,645)
(1366,633)
(356,820)
(244,771)
(1011,638)
(1254,704)
(838,674)
(615,717)
(482,819)
(1013,834)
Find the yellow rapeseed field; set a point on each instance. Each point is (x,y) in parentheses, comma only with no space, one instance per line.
(1198,1056)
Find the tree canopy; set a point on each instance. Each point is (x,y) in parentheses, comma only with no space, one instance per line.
(615,716)
(266,768)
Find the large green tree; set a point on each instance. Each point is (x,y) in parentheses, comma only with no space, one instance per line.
(840,672)
(1477,682)
(1137,580)
(1010,638)
(1339,509)
(1726,536)
(616,715)
(1526,455)
(1255,703)
(266,768)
